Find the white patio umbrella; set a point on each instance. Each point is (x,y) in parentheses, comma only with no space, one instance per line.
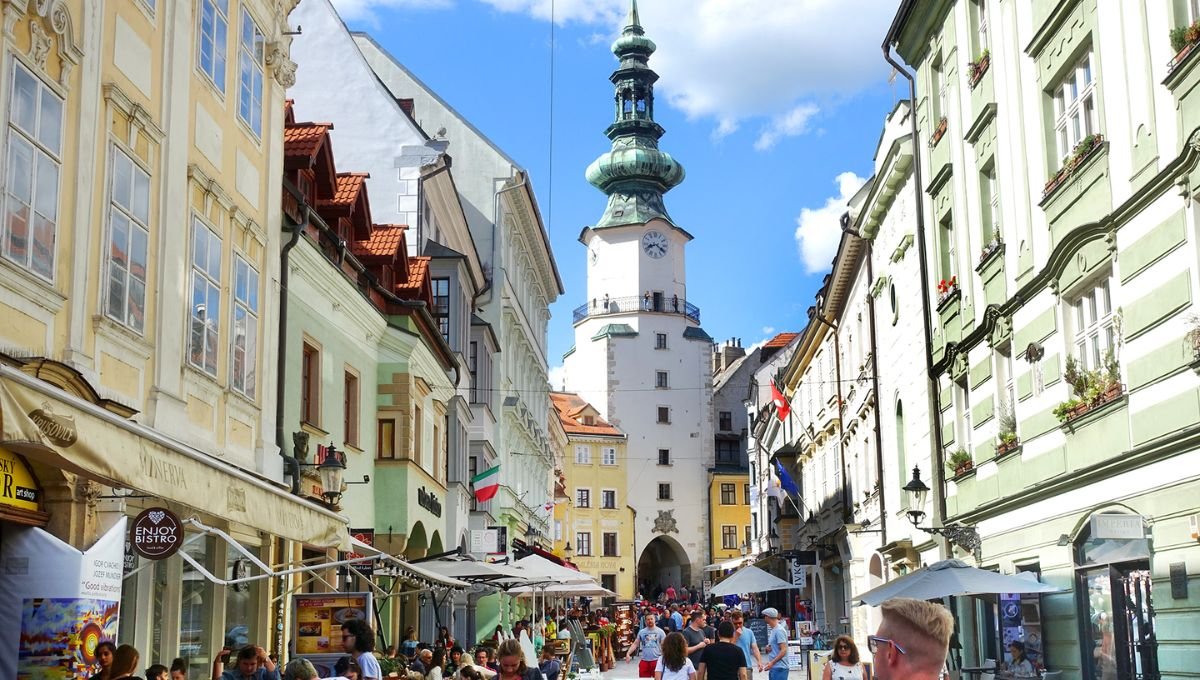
(952,577)
(750,580)
(547,570)
(583,589)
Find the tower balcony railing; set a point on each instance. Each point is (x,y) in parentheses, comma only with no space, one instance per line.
(654,303)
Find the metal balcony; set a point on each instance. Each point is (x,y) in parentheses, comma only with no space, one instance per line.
(655,303)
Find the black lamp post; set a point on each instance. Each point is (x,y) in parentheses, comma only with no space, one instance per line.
(917,492)
(331,470)
(965,537)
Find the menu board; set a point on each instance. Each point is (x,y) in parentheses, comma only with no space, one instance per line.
(319,618)
(627,627)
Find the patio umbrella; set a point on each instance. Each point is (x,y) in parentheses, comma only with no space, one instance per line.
(749,580)
(952,577)
(544,569)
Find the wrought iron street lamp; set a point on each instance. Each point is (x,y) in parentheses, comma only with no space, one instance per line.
(965,537)
(331,469)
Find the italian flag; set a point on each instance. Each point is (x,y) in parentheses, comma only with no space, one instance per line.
(486,484)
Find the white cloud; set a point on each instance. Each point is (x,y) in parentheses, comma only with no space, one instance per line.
(819,230)
(364,10)
(768,330)
(556,377)
(791,124)
(725,126)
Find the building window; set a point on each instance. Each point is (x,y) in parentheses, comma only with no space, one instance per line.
(583,543)
(608,456)
(980,20)
(664,456)
(1094,331)
(34,146)
(244,356)
(660,341)
(214,24)
(664,491)
(664,415)
(251,46)
(206,297)
(610,544)
(418,451)
(728,494)
(128,238)
(946,264)
(962,403)
(386,446)
(441,306)
(609,581)
(1075,107)
(583,498)
(1006,390)
(729,537)
(473,367)
(660,380)
(746,493)
(481,373)
(989,200)
(608,499)
(746,530)
(938,88)
(725,421)
(583,455)
(350,408)
(727,451)
(310,385)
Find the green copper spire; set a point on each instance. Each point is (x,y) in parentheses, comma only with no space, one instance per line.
(634,173)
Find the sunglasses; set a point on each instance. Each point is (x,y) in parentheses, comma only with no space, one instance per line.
(873,642)
(843,647)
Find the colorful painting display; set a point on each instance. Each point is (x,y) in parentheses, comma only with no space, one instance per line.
(59,637)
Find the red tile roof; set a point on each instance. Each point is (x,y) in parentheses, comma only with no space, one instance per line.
(385,240)
(301,141)
(570,407)
(781,340)
(417,286)
(349,184)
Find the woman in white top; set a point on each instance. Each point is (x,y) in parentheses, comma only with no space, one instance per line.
(843,665)
(674,663)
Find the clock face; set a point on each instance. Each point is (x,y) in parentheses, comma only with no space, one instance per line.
(654,243)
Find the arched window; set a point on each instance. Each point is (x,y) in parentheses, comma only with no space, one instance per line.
(900,450)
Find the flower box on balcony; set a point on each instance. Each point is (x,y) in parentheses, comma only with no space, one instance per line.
(1082,151)
(938,132)
(995,246)
(946,291)
(977,68)
(1183,40)
(1006,447)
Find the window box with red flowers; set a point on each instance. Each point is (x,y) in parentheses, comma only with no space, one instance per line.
(977,68)
(947,290)
(1084,150)
(938,132)
(1183,40)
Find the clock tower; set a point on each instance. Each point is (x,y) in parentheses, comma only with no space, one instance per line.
(640,355)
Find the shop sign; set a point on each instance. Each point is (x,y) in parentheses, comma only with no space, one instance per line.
(427,500)
(18,488)
(366,536)
(156,533)
(483,541)
(1114,526)
(799,573)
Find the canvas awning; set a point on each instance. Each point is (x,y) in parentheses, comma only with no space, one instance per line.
(750,580)
(58,429)
(421,574)
(544,569)
(479,572)
(952,577)
(583,589)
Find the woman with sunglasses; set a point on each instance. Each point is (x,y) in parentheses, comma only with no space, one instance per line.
(843,665)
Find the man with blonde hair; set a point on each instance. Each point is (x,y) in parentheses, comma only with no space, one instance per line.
(912,640)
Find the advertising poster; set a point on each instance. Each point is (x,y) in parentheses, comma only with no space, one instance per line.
(65,600)
(319,619)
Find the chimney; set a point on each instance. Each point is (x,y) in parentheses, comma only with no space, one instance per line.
(729,352)
(406,105)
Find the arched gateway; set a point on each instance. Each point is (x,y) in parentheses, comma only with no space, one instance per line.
(663,563)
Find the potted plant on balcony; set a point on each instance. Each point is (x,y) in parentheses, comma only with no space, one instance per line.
(1072,161)
(991,246)
(1091,389)
(977,68)
(1183,41)
(1007,439)
(946,289)
(938,132)
(960,462)
(1192,337)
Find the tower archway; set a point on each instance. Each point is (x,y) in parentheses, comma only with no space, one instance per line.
(663,563)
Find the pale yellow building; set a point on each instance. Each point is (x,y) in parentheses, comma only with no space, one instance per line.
(594,526)
(729,508)
(139,288)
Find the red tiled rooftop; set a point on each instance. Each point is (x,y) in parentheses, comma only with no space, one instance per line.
(569,406)
(303,139)
(348,186)
(418,273)
(781,340)
(384,242)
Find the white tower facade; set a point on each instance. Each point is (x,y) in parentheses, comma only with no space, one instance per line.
(640,355)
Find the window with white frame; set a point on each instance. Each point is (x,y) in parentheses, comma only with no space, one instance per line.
(206,297)
(979,10)
(244,355)
(214,27)
(583,454)
(609,546)
(1193,9)
(34,160)
(1075,114)
(660,341)
(251,49)
(664,491)
(583,543)
(128,238)
(583,498)
(1093,325)
(608,499)
(608,455)
(660,380)
(940,101)
(962,403)
(989,203)
(1006,391)
(729,537)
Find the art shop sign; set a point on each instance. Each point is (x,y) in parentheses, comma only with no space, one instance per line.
(427,500)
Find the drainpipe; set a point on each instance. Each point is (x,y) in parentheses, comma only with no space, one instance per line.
(496,218)
(927,313)
(281,358)
(849,228)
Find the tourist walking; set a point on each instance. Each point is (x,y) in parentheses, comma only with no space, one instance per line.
(674,663)
(844,664)
(912,640)
(649,641)
(777,637)
(125,663)
(695,637)
(723,660)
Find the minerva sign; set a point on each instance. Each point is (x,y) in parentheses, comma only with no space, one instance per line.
(156,534)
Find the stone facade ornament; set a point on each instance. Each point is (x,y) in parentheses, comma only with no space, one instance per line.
(665,524)
(40,44)
(281,64)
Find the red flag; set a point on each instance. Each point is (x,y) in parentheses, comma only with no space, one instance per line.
(782,407)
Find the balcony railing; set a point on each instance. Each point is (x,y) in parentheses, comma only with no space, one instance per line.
(637,303)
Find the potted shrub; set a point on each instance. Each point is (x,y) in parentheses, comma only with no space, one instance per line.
(1007,439)
(1072,161)
(1192,337)
(977,68)
(938,132)
(960,462)
(1183,40)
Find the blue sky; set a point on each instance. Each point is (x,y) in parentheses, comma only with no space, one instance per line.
(774,107)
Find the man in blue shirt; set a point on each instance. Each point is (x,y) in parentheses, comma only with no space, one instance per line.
(649,640)
(744,637)
(676,618)
(777,637)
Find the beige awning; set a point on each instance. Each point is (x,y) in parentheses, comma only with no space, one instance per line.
(50,426)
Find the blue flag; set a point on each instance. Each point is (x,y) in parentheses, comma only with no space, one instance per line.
(785,480)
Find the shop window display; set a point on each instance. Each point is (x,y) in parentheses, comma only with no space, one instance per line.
(196,607)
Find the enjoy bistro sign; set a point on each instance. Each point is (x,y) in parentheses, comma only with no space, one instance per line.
(156,534)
